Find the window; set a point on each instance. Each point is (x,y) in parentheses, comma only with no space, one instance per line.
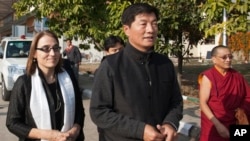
(18,49)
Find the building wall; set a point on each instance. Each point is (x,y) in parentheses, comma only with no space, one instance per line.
(202,50)
(89,56)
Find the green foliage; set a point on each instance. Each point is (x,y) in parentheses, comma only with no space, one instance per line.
(97,19)
(79,19)
(84,46)
(178,17)
(212,13)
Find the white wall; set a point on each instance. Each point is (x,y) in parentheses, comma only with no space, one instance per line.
(204,48)
(18,30)
(201,50)
(91,55)
(95,56)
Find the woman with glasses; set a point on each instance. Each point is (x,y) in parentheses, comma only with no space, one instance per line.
(222,91)
(46,103)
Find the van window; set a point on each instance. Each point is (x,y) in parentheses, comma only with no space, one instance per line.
(18,49)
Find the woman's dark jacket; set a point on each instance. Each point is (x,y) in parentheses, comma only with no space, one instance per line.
(131,89)
(19,118)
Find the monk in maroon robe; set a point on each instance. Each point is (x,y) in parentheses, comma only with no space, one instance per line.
(222,91)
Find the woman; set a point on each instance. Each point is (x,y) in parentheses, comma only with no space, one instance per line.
(46,102)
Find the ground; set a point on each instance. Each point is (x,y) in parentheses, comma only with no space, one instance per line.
(191,70)
(88,67)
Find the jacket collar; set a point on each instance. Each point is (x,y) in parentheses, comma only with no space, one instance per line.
(141,57)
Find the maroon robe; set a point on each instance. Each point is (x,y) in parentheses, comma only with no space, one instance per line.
(227,93)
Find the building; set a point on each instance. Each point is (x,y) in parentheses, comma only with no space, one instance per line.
(9,26)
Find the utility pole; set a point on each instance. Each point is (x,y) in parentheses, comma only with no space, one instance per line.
(224,29)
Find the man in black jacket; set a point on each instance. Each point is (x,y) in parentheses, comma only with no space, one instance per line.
(135,94)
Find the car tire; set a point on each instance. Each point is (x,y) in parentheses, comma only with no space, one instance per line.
(5,92)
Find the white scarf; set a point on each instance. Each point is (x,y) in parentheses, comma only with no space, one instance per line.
(39,103)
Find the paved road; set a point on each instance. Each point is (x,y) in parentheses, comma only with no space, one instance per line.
(5,135)
(191,117)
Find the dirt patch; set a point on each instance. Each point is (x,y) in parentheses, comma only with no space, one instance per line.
(190,74)
(89,67)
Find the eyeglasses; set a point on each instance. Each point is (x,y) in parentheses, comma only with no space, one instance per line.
(226,56)
(47,49)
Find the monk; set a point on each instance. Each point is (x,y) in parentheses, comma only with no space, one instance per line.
(222,90)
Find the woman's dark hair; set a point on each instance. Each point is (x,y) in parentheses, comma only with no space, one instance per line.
(133,10)
(111,41)
(32,63)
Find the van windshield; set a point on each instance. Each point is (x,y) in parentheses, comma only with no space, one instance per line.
(18,49)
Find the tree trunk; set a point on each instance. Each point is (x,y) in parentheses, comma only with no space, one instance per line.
(179,70)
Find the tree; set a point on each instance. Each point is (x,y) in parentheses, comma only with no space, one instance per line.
(180,20)
(236,26)
(83,19)
(237,13)
(97,19)
(240,42)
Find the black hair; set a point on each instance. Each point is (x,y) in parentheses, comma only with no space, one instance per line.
(133,10)
(111,42)
(214,50)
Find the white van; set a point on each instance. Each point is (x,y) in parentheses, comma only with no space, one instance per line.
(14,53)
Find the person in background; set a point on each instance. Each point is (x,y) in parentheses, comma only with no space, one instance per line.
(222,90)
(45,102)
(74,56)
(113,44)
(135,94)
